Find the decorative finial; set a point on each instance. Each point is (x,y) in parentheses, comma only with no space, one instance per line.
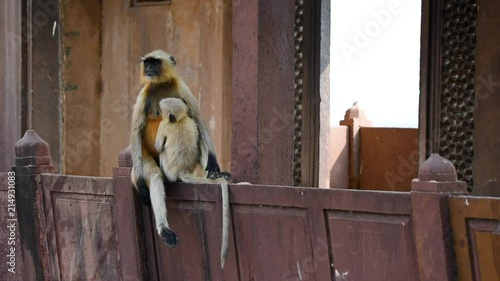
(437,168)
(31,145)
(355,112)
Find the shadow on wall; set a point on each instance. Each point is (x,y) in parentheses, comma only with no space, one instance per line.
(339,157)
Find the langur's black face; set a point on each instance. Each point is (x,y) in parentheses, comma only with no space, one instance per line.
(171,118)
(152,67)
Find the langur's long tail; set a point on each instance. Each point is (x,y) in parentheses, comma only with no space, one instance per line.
(226,212)
(226,220)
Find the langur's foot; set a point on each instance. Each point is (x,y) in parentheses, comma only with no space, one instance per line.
(168,236)
(212,168)
(225,175)
(218,175)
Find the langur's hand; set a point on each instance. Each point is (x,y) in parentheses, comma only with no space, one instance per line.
(159,145)
(212,168)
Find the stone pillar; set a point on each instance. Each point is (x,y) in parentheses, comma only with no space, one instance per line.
(32,159)
(354,118)
(10,81)
(486,140)
(324,92)
(127,212)
(437,179)
(40,69)
(263,87)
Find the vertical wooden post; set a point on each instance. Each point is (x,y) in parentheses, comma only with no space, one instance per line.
(354,118)
(263,107)
(128,220)
(32,159)
(437,179)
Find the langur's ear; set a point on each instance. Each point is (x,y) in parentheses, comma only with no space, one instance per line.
(141,59)
(172,60)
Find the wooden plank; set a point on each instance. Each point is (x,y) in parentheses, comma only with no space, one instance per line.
(476,237)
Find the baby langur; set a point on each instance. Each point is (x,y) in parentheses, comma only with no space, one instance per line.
(177,143)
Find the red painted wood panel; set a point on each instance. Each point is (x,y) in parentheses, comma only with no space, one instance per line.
(476,237)
(81,236)
(286,233)
(277,233)
(372,246)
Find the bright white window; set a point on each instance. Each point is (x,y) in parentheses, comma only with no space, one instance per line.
(375,60)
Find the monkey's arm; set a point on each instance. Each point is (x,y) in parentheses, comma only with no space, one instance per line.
(138,128)
(160,139)
(206,145)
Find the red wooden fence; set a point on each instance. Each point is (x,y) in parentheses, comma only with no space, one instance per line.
(86,228)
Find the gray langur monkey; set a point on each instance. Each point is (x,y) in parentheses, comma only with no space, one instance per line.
(177,142)
(160,80)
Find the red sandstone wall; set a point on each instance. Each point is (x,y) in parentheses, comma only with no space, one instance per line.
(388,158)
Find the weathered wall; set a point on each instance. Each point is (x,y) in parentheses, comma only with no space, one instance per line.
(10,82)
(388,158)
(105,40)
(263,68)
(487,101)
(42,82)
(81,85)
(29,75)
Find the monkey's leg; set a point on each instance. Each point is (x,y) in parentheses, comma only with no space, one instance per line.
(225,210)
(142,188)
(154,177)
